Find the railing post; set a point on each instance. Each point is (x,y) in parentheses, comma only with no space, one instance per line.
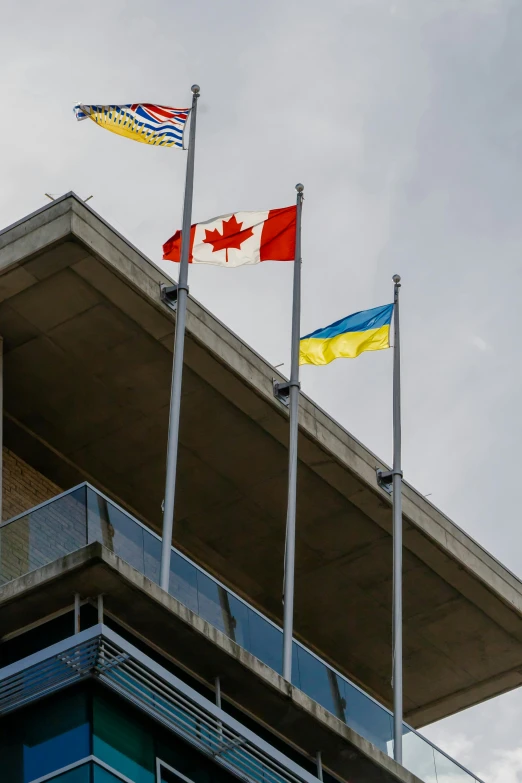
(319,764)
(77,613)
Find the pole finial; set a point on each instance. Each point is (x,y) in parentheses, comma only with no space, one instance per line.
(195,89)
(299,187)
(396,279)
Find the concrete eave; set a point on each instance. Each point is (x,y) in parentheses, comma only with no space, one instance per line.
(464,647)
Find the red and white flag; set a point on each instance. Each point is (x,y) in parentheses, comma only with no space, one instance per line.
(240,238)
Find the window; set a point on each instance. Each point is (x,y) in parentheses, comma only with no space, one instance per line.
(77,775)
(49,737)
(121,740)
(166,774)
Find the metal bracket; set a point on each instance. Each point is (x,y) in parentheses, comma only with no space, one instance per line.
(169,295)
(385,479)
(282,392)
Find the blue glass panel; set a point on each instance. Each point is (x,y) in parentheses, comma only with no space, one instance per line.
(367,718)
(223,610)
(115,530)
(266,641)
(152,556)
(321,683)
(240,612)
(55,735)
(183,581)
(55,752)
(296,675)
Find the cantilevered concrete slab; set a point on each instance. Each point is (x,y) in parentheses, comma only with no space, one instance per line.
(84,325)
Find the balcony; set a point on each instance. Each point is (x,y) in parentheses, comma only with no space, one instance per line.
(83,515)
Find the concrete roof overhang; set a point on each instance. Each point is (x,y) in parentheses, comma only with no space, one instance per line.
(87,363)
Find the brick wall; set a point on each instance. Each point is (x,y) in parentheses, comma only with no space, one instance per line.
(45,535)
(23,486)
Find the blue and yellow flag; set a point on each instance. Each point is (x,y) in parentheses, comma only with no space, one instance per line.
(368,330)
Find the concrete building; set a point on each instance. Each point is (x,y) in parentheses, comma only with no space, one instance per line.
(104,676)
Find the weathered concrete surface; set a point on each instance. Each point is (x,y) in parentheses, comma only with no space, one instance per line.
(87,362)
(202,650)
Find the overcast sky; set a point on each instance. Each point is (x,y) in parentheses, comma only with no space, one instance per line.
(404,122)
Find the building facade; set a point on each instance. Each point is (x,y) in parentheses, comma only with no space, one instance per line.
(106,677)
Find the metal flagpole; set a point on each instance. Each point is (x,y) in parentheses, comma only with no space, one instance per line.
(177,362)
(294,385)
(397,531)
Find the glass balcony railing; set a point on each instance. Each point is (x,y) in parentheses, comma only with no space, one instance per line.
(84,515)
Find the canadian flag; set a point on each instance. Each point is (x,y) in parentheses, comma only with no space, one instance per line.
(240,238)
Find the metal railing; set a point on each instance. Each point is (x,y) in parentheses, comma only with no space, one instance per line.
(102,654)
(83,515)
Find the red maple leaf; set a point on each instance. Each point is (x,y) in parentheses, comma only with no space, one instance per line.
(232,236)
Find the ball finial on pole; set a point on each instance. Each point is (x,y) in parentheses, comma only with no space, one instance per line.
(195,88)
(396,279)
(299,187)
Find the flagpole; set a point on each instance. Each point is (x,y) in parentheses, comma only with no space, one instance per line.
(294,386)
(177,362)
(397,532)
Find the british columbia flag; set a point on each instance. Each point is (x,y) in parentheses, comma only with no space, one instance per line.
(149,123)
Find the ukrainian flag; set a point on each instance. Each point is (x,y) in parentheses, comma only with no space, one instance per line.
(368,330)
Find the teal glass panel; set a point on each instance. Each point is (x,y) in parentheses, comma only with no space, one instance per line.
(101,775)
(78,775)
(121,741)
(115,530)
(43,535)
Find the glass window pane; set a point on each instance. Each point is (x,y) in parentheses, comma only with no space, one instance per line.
(183,582)
(55,734)
(266,641)
(120,741)
(101,775)
(448,771)
(152,556)
(418,757)
(115,530)
(222,610)
(321,683)
(42,536)
(367,718)
(239,618)
(78,775)
(296,676)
